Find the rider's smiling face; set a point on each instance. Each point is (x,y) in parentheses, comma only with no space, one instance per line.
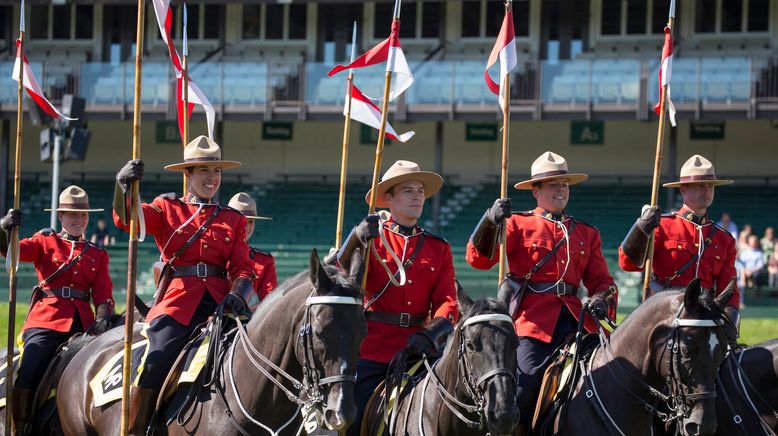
(204,181)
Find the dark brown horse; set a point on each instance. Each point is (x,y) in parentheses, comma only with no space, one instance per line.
(747,400)
(665,352)
(471,389)
(297,356)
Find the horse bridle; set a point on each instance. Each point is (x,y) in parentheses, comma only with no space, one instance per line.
(474,387)
(309,396)
(679,398)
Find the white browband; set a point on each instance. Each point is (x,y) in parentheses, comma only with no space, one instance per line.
(486,318)
(697,322)
(333,300)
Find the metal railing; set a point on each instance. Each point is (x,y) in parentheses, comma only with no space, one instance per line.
(626,85)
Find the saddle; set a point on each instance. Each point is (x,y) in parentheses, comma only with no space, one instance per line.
(381,408)
(559,378)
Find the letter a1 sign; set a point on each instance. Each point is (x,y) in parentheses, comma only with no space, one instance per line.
(587,132)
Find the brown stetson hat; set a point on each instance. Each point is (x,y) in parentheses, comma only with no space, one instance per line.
(244,204)
(698,170)
(203,151)
(73,199)
(403,171)
(550,166)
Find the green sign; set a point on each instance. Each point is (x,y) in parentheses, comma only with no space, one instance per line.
(706,130)
(369,135)
(277,131)
(587,132)
(481,131)
(167,132)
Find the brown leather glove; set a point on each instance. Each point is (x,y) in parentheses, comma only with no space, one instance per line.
(235,301)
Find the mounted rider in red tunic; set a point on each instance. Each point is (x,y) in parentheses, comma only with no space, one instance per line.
(550,253)
(72,272)
(203,245)
(264,279)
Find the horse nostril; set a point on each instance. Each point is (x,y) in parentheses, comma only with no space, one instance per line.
(691,429)
(334,420)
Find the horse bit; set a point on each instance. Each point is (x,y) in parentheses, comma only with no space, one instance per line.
(310,397)
(677,400)
(473,386)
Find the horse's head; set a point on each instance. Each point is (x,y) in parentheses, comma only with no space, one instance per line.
(690,357)
(487,359)
(330,334)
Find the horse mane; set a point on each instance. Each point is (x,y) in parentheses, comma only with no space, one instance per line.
(485,305)
(340,278)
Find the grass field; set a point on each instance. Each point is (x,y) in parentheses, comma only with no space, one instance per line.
(758,324)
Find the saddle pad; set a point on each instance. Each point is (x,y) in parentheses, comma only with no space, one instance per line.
(394,396)
(196,355)
(107,384)
(4,377)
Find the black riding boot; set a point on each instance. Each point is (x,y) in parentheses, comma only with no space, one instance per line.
(142,404)
(21,410)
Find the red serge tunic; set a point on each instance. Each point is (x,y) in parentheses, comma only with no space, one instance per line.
(265,279)
(48,251)
(222,244)
(677,240)
(429,289)
(530,236)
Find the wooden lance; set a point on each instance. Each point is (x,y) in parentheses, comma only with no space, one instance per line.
(344,152)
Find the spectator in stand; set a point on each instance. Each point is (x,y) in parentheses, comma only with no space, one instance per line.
(772,267)
(768,243)
(726,223)
(102,236)
(750,262)
(742,240)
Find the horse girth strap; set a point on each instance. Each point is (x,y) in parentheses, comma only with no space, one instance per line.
(203,227)
(550,254)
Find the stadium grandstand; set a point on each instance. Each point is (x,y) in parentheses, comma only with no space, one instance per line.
(585,87)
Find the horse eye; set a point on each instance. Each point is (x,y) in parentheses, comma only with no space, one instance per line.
(469,345)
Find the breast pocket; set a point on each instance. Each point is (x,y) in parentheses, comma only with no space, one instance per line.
(680,251)
(537,249)
(218,239)
(713,260)
(425,272)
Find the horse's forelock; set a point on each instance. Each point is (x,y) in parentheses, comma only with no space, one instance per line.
(487,305)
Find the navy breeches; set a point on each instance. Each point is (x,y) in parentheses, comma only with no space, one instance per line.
(40,347)
(370,374)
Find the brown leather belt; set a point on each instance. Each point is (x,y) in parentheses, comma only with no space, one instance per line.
(66,292)
(561,289)
(201,270)
(401,319)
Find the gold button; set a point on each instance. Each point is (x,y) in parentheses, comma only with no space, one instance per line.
(580,242)
(205,245)
(75,272)
(679,246)
(582,252)
(56,259)
(410,282)
(534,245)
(696,244)
(93,269)
(227,238)
(179,231)
(563,261)
(202,211)
(432,268)
(718,258)
(203,279)
(409,303)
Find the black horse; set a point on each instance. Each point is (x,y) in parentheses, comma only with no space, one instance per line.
(471,389)
(296,357)
(747,389)
(666,352)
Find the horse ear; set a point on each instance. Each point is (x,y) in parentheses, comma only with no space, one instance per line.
(465,302)
(692,295)
(726,295)
(316,273)
(357,266)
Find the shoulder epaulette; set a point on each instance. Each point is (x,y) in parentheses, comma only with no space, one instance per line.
(93,245)
(168,196)
(47,231)
(257,250)
(723,230)
(226,207)
(432,235)
(668,215)
(580,221)
(523,213)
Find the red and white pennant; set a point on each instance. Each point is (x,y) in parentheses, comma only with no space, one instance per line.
(364,110)
(32,86)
